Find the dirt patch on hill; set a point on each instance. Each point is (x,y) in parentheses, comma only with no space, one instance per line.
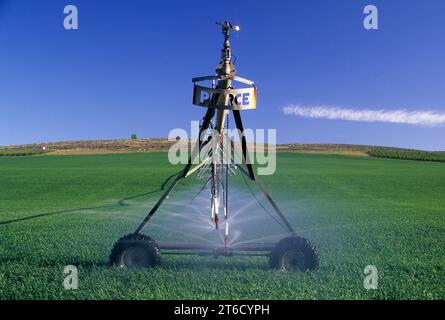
(151,145)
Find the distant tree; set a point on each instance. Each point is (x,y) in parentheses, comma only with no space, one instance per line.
(134,136)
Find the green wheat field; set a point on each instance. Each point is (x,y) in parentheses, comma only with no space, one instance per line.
(69,210)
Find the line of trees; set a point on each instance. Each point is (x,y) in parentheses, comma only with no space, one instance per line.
(21,152)
(408,155)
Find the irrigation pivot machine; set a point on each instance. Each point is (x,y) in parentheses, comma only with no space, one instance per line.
(293,253)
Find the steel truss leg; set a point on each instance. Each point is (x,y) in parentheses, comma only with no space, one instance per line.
(251,173)
(205,125)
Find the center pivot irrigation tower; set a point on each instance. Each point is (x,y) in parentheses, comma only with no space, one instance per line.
(292,253)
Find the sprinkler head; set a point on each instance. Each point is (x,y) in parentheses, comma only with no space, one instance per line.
(228,26)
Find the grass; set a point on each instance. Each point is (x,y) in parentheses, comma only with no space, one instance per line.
(56,211)
(19,152)
(438,156)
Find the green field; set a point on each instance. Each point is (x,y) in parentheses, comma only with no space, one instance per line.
(62,210)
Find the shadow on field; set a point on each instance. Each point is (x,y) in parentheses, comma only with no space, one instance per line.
(119,203)
(50,263)
(177,263)
(211,263)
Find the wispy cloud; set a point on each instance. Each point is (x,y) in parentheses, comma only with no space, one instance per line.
(420,118)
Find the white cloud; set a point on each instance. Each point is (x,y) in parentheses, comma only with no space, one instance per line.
(420,118)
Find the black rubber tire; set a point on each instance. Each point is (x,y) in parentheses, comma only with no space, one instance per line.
(144,248)
(297,251)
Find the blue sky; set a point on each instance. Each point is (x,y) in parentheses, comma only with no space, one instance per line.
(128,67)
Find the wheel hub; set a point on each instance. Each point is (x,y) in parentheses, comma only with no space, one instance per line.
(293,260)
(135,258)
